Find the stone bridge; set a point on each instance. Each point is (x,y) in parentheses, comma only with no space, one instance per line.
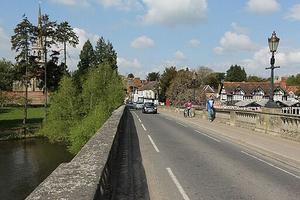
(109,166)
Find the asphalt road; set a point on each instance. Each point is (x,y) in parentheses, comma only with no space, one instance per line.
(183,162)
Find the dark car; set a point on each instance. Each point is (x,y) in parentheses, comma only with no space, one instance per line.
(149,107)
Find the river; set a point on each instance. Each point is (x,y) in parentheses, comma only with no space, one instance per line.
(24,164)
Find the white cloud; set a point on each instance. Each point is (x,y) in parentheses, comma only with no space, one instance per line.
(263,6)
(294,13)
(121,4)
(174,12)
(72,2)
(179,56)
(124,63)
(142,42)
(288,60)
(232,41)
(239,29)
(194,43)
(5,45)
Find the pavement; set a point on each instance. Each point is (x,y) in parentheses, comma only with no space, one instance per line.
(278,149)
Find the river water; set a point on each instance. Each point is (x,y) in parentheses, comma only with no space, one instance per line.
(24,164)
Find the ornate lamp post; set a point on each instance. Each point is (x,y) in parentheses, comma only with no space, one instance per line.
(194,86)
(273,44)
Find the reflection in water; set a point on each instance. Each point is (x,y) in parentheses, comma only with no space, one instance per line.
(24,164)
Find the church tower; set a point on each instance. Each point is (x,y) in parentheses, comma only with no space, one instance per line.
(38,47)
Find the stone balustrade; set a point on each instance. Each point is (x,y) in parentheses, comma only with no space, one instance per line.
(269,121)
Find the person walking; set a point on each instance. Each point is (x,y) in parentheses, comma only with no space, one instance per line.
(210,108)
(188,106)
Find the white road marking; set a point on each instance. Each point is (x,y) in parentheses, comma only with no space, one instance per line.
(270,164)
(179,187)
(153,144)
(144,127)
(208,136)
(181,124)
(140,120)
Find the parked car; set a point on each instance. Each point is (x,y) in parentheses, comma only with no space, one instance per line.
(149,107)
(139,105)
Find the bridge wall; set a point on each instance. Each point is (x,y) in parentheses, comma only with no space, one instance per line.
(87,176)
(269,121)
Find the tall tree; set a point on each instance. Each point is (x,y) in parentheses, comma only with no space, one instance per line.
(236,74)
(153,76)
(66,35)
(105,53)
(22,41)
(165,81)
(87,58)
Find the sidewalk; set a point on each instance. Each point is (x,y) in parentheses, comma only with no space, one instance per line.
(280,149)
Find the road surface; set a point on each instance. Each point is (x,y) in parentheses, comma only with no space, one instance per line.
(182,161)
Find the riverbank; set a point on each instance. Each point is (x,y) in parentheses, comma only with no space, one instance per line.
(11,122)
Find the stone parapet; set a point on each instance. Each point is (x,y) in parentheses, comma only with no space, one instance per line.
(87,175)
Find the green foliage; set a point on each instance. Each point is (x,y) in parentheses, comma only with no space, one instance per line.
(105,53)
(255,79)
(293,80)
(236,74)
(6,74)
(87,58)
(153,76)
(165,81)
(63,112)
(181,87)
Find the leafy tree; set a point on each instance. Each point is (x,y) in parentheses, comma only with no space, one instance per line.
(6,74)
(87,58)
(236,74)
(63,112)
(165,81)
(293,80)
(202,75)
(65,34)
(105,53)
(153,76)
(181,86)
(55,72)
(255,79)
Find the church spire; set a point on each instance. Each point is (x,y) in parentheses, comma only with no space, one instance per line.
(40,16)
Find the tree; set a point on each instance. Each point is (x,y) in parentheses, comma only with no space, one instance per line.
(65,34)
(21,42)
(236,74)
(180,89)
(165,81)
(55,72)
(87,58)
(153,76)
(252,78)
(293,80)
(6,74)
(105,53)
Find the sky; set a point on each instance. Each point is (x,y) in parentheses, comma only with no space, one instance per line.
(149,35)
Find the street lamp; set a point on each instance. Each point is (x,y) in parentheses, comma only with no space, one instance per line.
(273,44)
(194,86)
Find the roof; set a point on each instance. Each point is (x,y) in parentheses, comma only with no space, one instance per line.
(249,87)
(289,103)
(149,85)
(247,103)
(293,89)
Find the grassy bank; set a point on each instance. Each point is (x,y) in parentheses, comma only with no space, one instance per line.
(11,120)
